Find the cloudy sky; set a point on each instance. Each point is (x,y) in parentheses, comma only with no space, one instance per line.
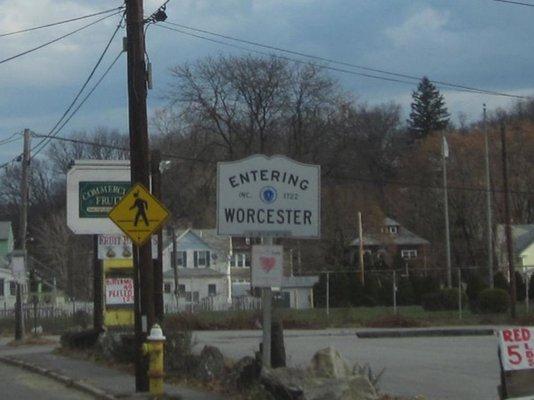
(480,43)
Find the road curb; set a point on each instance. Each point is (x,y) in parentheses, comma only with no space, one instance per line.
(408,333)
(61,378)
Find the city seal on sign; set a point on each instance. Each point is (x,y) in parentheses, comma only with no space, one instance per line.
(274,196)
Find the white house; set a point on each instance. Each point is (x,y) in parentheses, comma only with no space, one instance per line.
(523,241)
(202,268)
(214,273)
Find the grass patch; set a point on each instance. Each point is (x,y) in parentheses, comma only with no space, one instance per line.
(383,317)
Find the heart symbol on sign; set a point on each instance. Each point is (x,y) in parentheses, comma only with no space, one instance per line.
(267,263)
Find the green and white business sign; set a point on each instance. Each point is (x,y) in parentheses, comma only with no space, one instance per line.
(94,187)
(98,198)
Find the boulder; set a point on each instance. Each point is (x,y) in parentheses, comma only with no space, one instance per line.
(328,363)
(210,364)
(117,346)
(296,384)
(244,373)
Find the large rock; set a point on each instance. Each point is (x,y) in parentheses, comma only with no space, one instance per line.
(210,364)
(296,384)
(328,363)
(244,373)
(117,346)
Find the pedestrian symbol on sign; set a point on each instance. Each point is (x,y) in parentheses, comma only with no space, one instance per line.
(132,214)
(141,206)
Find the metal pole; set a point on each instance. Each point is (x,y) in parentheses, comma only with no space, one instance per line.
(446,209)
(98,289)
(328,294)
(266,303)
(175,267)
(24,190)
(394,292)
(488,205)
(527,284)
(158,265)
(460,293)
(508,228)
(139,165)
(360,236)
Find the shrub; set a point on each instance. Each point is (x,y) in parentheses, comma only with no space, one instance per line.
(494,301)
(423,285)
(444,299)
(520,286)
(500,281)
(405,293)
(475,285)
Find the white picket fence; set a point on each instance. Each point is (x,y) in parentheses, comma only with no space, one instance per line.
(214,304)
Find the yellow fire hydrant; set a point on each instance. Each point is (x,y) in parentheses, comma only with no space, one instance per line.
(154,349)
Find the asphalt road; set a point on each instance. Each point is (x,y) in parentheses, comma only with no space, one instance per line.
(18,384)
(459,368)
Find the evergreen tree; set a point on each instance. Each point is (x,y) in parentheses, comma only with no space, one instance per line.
(428,110)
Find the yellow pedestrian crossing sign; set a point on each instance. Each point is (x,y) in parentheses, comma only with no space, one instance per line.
(139,214)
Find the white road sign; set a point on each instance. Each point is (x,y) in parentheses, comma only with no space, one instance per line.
(119,291)
(517,348)
(18,267)
(93,189)
(268,196)
(267,266)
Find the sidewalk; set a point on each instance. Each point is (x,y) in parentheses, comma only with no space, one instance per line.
(110,381)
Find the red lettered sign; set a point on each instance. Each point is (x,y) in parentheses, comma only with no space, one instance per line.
(119,291)
(517,348)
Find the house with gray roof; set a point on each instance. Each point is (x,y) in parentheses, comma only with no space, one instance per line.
(214,271)
(523,246)
(391,242)
(203,273)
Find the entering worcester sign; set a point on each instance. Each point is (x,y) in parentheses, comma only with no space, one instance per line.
(268,196)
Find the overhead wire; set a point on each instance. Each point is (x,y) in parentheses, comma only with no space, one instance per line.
(346,64)
(520,3)
(11,137)
(42,144)
(61,22)
(58,38)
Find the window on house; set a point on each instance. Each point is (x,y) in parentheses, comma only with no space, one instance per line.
(393,229)
(201,258)
(1,287)
(196,297)
(13,288)
(181,259)
(212,290)
(187,296)
(167,287)
(181,290)
(240,260)
(409,254)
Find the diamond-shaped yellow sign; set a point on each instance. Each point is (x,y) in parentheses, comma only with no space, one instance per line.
(139,214)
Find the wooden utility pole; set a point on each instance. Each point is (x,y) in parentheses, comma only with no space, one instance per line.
(24,191)
(508,228)
(139,164)
(155,160)
(489,223)
(360,236)
(98,289)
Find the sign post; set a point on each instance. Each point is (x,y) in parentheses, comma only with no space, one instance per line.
(268,197)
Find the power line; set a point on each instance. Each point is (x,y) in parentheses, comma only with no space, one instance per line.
(61,22)
(329,60)
(516,2)
(57,39)
(88,94)
(42,144)
(285,57)
(11,138)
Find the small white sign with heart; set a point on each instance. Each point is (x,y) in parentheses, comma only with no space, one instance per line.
(267,266)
